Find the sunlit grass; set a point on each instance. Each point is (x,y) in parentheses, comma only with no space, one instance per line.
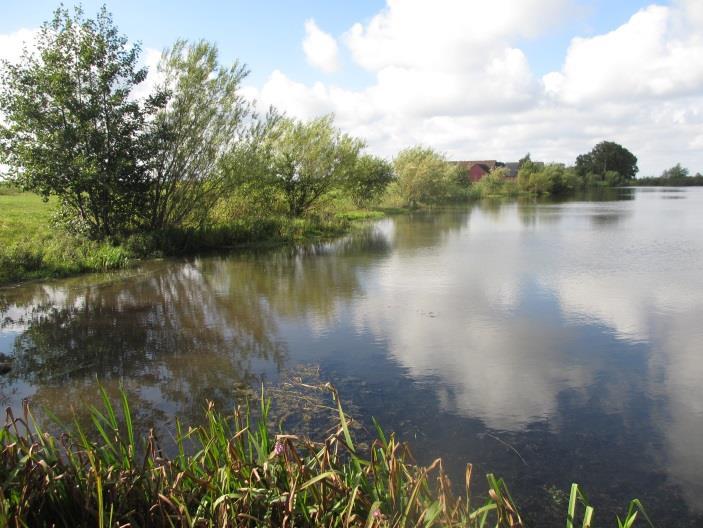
(23,216)
(30,247)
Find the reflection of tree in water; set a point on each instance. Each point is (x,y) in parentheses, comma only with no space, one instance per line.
(427,229)
(172,330)
(532,212)
(180,333)
(304,280)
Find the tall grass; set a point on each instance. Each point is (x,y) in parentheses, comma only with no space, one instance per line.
(232,470)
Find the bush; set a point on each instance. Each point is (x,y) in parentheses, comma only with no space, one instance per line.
(495,184)
(19,261)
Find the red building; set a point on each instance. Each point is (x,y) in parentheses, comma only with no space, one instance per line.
(476,170)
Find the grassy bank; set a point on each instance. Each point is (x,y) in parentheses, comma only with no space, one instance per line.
(234,470)
(30,248)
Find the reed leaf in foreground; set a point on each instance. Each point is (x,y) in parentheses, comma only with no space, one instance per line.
(233,471)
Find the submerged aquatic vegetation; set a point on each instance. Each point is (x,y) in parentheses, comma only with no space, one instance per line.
(233,471)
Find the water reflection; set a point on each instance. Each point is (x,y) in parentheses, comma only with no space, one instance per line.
(173,330)
(566,330)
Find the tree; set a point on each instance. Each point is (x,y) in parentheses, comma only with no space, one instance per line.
(205,122)
(607,156)
(369,178)
(307,159)
(677,172)
(424,176)
(526,159)
(527,168)
(73,130)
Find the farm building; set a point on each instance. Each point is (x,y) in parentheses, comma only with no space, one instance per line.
(476,170)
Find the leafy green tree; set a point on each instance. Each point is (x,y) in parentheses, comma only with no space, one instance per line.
(677,172)
(202,137)
(368,180)
(527,168)
(608,156)
(424,176)
(524,160)
(306,160)
(72,129)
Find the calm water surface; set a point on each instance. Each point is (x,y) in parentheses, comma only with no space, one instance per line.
(548,343)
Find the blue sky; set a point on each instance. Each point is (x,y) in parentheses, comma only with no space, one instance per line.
(475,79)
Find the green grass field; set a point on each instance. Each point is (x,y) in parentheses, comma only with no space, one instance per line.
(23,217)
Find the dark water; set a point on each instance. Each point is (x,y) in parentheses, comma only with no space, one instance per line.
(547,343)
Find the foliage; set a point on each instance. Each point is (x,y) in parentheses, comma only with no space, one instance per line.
(204,122)
(607,156)
(305,160)
(251,199)
(233,471)
(493,183)
(73,130)
(674,176)
(527,158)
(675,173)
(424,176)
(368,180)
(552,178)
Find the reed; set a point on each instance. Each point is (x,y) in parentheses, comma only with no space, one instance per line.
(232,470)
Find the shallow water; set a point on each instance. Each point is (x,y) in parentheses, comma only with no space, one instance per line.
(545,342)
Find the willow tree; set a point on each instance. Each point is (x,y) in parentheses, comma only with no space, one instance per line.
(205,121)
(73,129)
(368,179)
(424,176)
(307,159)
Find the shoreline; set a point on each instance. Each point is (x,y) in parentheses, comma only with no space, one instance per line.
(199,243)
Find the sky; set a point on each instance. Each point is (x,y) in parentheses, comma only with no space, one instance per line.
(473,79)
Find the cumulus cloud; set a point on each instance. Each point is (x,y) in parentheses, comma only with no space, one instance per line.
(453,76)
(12,44)
(649,56)
(450,35)
(150,58)
(320,48)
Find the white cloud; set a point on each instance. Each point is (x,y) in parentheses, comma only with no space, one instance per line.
(12,44)
(651,55)
(320,48)
(150,58)
(452,75)
(450,35)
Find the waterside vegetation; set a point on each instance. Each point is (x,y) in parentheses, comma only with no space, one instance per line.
(234,470)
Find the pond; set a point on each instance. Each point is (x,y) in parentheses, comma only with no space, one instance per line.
(547,342)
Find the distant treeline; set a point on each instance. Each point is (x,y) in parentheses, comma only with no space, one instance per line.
(676,176)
